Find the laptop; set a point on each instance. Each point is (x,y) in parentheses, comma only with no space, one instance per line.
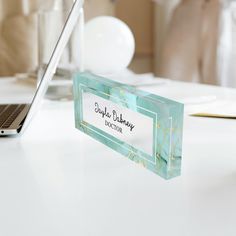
(14,118)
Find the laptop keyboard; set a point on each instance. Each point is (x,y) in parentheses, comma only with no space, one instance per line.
(8,113)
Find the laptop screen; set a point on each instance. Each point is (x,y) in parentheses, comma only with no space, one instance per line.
(59,52)
(50,26)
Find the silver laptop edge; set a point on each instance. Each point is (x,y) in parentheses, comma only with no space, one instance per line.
(51,68)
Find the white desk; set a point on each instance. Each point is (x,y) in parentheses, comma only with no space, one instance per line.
(56,181)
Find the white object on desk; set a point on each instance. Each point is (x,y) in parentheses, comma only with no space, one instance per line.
(109,45)
(217,109)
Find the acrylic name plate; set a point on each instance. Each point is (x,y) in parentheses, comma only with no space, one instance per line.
(144,127)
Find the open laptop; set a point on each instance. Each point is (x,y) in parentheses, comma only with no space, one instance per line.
(14,118)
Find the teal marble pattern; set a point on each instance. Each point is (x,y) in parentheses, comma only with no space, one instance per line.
(167,118)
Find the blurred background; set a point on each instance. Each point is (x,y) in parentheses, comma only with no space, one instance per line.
(187,40)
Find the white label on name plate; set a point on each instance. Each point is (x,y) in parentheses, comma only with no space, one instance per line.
(124,124)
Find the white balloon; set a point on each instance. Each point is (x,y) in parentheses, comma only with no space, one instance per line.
(109,45)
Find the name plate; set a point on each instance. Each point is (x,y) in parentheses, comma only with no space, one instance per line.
(144,127)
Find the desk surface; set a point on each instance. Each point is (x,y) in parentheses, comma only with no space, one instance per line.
(55,180)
